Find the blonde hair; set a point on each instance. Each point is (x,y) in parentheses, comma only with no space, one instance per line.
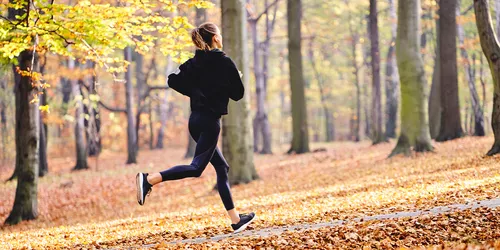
(203,35)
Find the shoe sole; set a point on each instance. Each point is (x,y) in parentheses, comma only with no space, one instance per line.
(244,225)
(139,181)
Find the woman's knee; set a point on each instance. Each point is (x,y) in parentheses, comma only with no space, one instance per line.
(222,171)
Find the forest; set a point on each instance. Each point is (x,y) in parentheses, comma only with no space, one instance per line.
(364,124)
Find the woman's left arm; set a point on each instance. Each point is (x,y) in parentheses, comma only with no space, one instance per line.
(180,81)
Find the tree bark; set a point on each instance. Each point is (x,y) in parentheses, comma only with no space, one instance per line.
(261,127)
(414,126)
(300,139)
(451,126)
(131,135)
(329,119)
(140,82)
(163,107)
(237,132)
(93,124)
(391,80)
(259,86)
(81,149)
(471,80)
(266,127)
(491,50)
(497,14)
(435,95)
(377,133)
(27,139)
(201,16)
(357,118)
(42,152)
(3,117)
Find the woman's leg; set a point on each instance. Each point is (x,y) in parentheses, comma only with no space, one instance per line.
(221,169)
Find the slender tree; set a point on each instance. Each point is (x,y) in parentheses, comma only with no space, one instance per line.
(300,139)
(470,77)
(497,15)
(163,109)
(356,118)
(42,152)
(378,135)
(261,126)
(391,79)
(414,126)
(324,97)
(435,95)
(491,49)
(236,132)
(3,116)
(27,133)
(139,84)
(80,147)
(451,127)
(131,135)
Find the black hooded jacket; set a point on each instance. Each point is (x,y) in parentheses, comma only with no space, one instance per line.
(210,78)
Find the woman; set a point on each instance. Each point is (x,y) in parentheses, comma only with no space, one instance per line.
(210,78)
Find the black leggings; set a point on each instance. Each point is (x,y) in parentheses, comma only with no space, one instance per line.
(205,128)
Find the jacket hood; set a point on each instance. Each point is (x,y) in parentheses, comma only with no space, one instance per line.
(210,54)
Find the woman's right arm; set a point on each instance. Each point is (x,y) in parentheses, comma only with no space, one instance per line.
(236,88)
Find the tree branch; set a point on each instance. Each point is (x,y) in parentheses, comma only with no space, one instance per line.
(256,19)
(467,10)
(112,109)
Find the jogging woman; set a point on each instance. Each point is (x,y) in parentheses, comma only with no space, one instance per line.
(210,78)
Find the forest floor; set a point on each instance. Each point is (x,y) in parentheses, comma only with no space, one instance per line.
(97,208)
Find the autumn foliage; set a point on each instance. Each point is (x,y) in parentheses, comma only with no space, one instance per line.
(98,208)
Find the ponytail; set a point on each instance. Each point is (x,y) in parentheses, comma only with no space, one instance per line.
(198,40)
(203,35)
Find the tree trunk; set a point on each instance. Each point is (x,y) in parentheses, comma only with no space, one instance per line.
(414,126)
(497,14)
(81,149)
(471,80)
(151,130)
(377,133)
(163,107)
(163,114)
(191,148)
(300,139)
(491,50)
(27,140)
(93,124)
(366,110)
(237,132)
(259,87)
(3,117)
(42,151)
(201,16)
(391,80)
(266,127)
(435,95)
(131,135)
(451,127)
(357,118)
(329,125)
(140,81)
